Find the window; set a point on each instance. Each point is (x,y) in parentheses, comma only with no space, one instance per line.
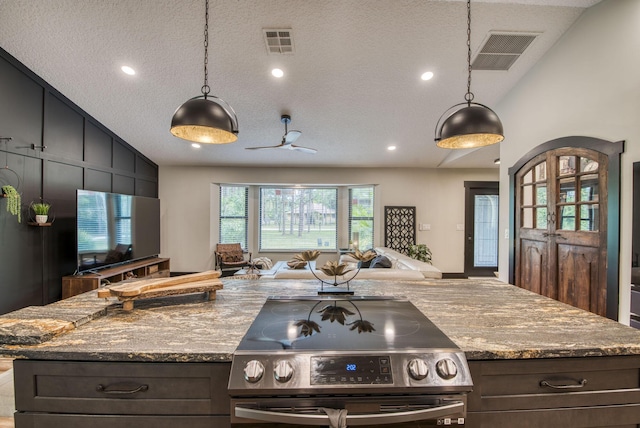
(361,217)
(234,215)
(294,219)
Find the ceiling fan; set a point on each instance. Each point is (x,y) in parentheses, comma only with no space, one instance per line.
(288,139)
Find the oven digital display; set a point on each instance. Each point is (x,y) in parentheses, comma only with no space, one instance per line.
(350,370)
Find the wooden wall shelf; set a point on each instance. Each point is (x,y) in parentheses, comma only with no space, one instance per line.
(148,268)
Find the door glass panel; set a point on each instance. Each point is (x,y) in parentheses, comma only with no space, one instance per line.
(567,190)
(541,218)
(527,195)
(588,165)
(528,177)
(566,165)
(567,217)
(589,217)
(541,194)
(541,171)
(527,218)
(589,188)
(485,240)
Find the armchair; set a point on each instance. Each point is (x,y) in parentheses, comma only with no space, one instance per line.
(230,258)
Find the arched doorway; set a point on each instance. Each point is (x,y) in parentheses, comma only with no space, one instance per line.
(565,200)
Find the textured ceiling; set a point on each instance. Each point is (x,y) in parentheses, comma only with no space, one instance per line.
(352,86)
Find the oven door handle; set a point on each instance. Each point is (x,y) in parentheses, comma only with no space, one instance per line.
(354,419)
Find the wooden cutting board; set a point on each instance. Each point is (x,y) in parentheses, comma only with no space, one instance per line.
(129,291)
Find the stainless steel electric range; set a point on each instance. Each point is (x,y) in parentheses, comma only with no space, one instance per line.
(364,360)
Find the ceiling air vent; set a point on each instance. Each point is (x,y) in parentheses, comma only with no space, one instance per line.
(501,50)
(278,41)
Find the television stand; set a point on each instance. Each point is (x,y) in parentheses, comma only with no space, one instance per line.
(155,267)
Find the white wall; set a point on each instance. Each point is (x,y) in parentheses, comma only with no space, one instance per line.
(189,206)
(588,84)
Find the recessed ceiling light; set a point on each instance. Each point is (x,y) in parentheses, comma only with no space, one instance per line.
(427,75)
(195,145)
(128,70)
(391,148)
(276,72)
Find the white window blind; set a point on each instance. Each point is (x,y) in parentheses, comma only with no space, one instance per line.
(361,217)
(295,219)
(234,215)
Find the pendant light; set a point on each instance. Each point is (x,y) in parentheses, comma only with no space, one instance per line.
(205,118)
(468,125)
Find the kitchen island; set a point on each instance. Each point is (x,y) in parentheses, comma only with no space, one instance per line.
(514,340)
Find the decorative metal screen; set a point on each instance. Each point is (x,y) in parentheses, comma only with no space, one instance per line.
(399,228)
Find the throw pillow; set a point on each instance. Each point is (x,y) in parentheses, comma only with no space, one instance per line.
(366,264)
(380,262)
(264,262)
(233,256)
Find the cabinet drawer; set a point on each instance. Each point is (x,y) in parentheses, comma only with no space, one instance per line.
(122,388)
(555,383)
(37,420)
(590,417)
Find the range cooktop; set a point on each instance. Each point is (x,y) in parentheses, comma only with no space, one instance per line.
(350,323)
(329,344)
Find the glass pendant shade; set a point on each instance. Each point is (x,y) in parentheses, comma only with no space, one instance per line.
(203,120)
(474,125)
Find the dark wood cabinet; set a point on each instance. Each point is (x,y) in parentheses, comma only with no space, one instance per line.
(105,394)
(555,393)
(592,392)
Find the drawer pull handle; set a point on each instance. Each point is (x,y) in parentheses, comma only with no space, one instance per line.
(104,389)
(581,383)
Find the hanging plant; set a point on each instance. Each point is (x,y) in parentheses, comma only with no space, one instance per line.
(13,200)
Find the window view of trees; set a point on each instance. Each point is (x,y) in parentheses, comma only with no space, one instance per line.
(234,215)
(298,218)
(361,217)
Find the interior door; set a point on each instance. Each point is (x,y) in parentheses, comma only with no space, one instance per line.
(561,218)
(481,228)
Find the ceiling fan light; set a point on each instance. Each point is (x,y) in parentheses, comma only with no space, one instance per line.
(203,120)
(472,126)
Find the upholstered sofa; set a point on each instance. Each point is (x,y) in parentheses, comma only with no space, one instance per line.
(403,268)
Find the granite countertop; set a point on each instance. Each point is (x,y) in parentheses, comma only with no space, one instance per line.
(486,318)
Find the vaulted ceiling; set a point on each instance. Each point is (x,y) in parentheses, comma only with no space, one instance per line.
(352,84)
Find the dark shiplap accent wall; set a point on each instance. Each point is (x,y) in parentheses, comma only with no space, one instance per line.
(80,153)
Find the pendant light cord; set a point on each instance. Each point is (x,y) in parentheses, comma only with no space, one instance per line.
(205,88)
(469,95)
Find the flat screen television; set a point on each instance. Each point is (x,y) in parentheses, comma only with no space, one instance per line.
(113,229)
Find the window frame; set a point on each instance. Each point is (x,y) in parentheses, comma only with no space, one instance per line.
(293,188)
(221,217)
(351,218)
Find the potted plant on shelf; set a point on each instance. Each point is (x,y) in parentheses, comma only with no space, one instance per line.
(420,252)
(41,209)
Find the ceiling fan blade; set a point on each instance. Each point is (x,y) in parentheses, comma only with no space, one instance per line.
(264,147)
(291,136)
(303,149)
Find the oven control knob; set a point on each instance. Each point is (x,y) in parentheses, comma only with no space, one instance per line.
(446,368)
(253,371)
(418,369)
(283,371)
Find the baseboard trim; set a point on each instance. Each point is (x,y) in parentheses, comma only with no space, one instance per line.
(460,275)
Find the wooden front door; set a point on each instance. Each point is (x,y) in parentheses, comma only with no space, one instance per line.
(561,227)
